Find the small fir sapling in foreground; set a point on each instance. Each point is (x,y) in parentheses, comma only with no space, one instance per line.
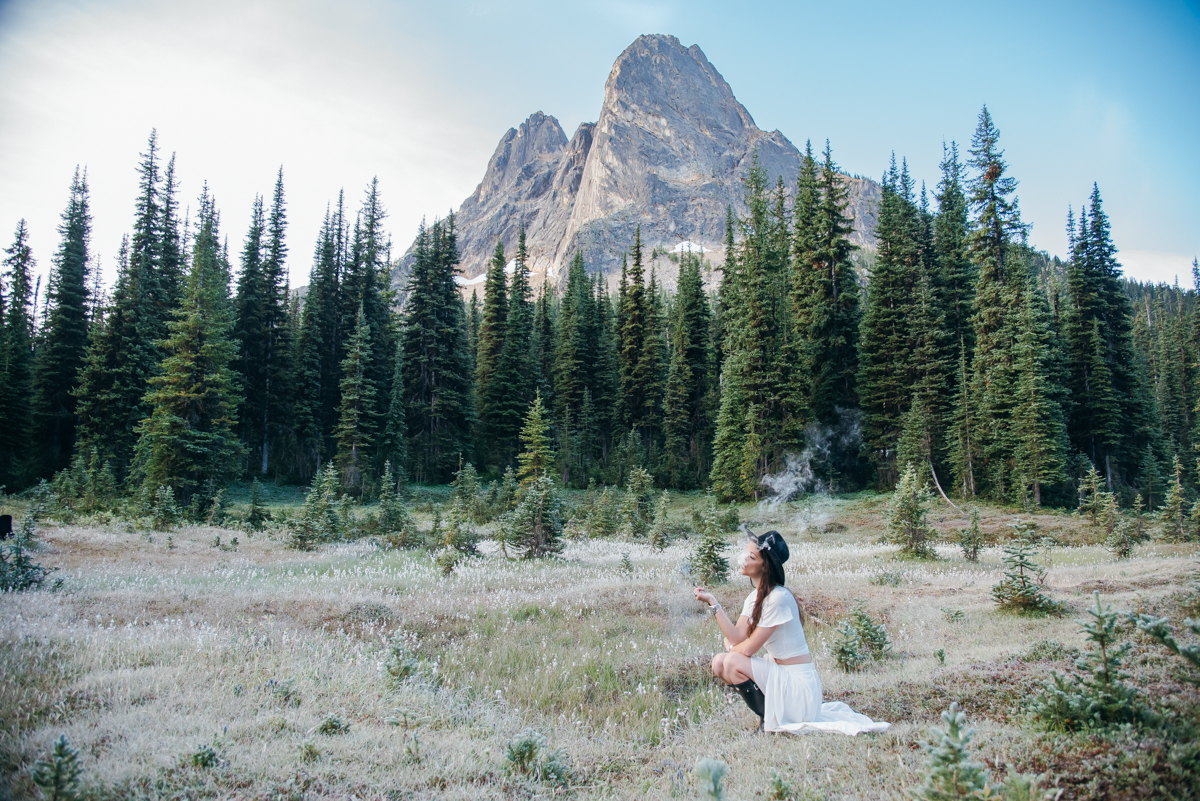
(397,529)
(905,516)
(872,635)
(18,571)
(971,539)
(709,565)
(1099,696)
(258,517)
(58,775)
(1159,629)
(1174,518)
(535,527)
(635,512)
(1018,591)
(400,665)
(952,774)
(658,531)
(848,652)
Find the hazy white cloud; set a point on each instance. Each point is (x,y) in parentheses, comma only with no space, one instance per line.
(235,90)
(1157,267)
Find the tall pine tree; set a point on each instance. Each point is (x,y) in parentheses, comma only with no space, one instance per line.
(64,339)
(357,418)
(187,442)
(436,367)
(16,359)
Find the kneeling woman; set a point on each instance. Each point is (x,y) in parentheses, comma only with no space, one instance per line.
(784,689)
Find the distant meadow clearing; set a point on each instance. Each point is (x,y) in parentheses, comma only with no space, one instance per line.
(182,668)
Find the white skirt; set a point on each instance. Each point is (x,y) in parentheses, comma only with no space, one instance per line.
(793,702)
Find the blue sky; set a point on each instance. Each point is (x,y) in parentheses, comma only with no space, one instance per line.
(420,93)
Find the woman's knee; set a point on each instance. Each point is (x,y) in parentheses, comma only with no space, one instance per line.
(718,665)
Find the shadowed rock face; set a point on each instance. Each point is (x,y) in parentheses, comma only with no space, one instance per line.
(670,150)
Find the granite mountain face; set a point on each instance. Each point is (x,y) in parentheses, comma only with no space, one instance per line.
(669,151)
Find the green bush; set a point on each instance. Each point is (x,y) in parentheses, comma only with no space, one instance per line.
(528,755)
(710,774)
(333,725)
(205,756)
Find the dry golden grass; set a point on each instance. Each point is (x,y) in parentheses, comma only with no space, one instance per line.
(147,652)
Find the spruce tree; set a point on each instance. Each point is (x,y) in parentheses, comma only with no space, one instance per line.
(16,358)
(543,345)
(1038,431)
(537,457)
(1001,278)
(64,340)
(318,373)
(436,369)
(358,421)
(1173,517)
(726,473)
(886,370)
(492,326)
(127,354)
(370,257)
(635,311)
(955,271)
(512,387)
(249,324)
(266,355)
(393,449)
(187,442)
(1107,421)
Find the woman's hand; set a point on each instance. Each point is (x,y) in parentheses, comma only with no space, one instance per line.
(704,595)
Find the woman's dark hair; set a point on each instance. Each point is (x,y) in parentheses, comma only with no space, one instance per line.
(772,575)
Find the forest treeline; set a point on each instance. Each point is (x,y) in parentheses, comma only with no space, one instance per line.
(992,368)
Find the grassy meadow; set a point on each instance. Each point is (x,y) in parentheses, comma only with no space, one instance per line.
(180,668)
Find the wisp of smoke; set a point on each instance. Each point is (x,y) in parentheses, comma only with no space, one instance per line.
(799,474)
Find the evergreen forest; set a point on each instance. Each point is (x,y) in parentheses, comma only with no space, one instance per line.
(952,347)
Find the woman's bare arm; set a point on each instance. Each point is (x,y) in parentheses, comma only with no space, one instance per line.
(750,646)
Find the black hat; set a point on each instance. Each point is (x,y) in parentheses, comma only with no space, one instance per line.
(772,541)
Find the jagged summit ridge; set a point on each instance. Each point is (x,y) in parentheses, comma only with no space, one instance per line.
(669,151)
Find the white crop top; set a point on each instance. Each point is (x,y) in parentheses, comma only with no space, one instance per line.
(779,610)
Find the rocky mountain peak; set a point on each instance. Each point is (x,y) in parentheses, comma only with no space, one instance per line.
(669,152)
